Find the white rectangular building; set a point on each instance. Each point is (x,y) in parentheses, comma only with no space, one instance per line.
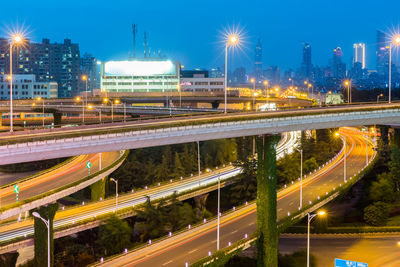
(25,86)
(198,81)
(140,75)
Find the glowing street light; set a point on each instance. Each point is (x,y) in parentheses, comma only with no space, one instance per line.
(38,99)
(377,98)
(253,81)
(348,84)
(15,40)
(79,99)
(337,134)
(47,223)
(266,91)
(232,41)
(84,78)
(320,213)
(394,42)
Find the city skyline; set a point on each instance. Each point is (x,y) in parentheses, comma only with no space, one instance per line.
(174,35)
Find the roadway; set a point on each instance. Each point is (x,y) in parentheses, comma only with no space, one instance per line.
(195,244)
(378,250)
(75,215)
(68,173)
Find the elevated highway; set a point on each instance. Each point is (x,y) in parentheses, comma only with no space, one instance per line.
(65,142)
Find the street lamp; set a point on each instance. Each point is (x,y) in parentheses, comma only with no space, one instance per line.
(344,164)
(309,218)
(84,78)
(232,41)
(301,177)
(116,102)
(78,99)
(47,223)
(91,107)
(38,99)
(395,41)
(348,84)
(253,81)
(377,98)
(266,92)
(116,193)
(15,40)
(312,90)
(218,212)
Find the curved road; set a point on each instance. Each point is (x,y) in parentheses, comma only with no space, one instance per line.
(197,243)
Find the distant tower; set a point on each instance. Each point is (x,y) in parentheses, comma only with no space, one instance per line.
(145,43)
(359,54)
(307,63)
(382,53)
(258,61)
(134,30)
(339,68)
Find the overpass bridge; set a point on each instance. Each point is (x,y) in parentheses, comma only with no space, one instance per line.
(65,142)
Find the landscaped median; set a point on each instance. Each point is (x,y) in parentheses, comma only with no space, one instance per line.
(57,193)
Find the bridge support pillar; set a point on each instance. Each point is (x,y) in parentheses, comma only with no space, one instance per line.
(41,234)
(1,120)
(98,189)
(395,138)
(267,243)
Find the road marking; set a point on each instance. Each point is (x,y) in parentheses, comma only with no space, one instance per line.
(291,203)
(194,250)
(168,262)
(234,231)
(280,209)
(251,223)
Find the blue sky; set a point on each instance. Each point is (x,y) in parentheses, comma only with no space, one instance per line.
(190,31)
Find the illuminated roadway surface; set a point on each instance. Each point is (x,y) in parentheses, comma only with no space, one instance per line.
(377,250)
(73,171)
(198,242)
(68,216)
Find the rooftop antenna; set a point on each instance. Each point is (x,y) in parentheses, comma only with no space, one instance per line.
(134,30)
(145,43)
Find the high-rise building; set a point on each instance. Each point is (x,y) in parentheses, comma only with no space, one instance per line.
(89,68)
(21,57)
(338,67)
(359,54)
(382,53)
(258,72)
(307,63)
(239,75)
(273,75)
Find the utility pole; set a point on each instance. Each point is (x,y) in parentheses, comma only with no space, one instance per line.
(145,44)
(134,30)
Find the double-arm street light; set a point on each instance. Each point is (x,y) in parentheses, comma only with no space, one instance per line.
(309,218)
(47,223)
(219,197)
(115,102)
(85,78)
(395,41)
(232,41)
(15,40)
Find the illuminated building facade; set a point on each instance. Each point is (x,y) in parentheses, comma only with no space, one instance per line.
(140,75)
(359,54)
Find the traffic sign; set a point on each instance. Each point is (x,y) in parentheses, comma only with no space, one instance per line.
(16,189)
(346,263)
(88,164)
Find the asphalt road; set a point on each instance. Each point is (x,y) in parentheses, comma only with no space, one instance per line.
(376,250)
(73,171)
(189,249)
(73,215)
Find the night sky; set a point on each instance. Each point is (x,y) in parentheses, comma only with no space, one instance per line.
(190,31)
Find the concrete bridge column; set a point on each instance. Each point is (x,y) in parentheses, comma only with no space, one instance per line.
(1,119)
(267,244)
(40,235)
(98,189)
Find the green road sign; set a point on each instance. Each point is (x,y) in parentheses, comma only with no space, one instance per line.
(16,189)
(88,164)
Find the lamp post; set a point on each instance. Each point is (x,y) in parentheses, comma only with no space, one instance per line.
(218,212)
(78,99)
(232,41)
(38,99)
(301,177)
(344,163)
(47,223)
(84,78)
(377,98)
(91,107)
(312,90)
(15,40)
(116,102)
(309,218)
(116,193)
(266,92)
(306,84)
(395,41)
(348,84)
(253,81)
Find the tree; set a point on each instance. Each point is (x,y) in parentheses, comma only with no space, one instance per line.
(179,170)
(115,235)
(377,213)
(150,220)
(382,189)
(246,186)
(310,165)
(162,170)
(296,259)
(394,165)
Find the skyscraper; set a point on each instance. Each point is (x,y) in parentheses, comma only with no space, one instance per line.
(258,73)
(89,68)
(359,54)
(307,63)
(382,53)
(338,67)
